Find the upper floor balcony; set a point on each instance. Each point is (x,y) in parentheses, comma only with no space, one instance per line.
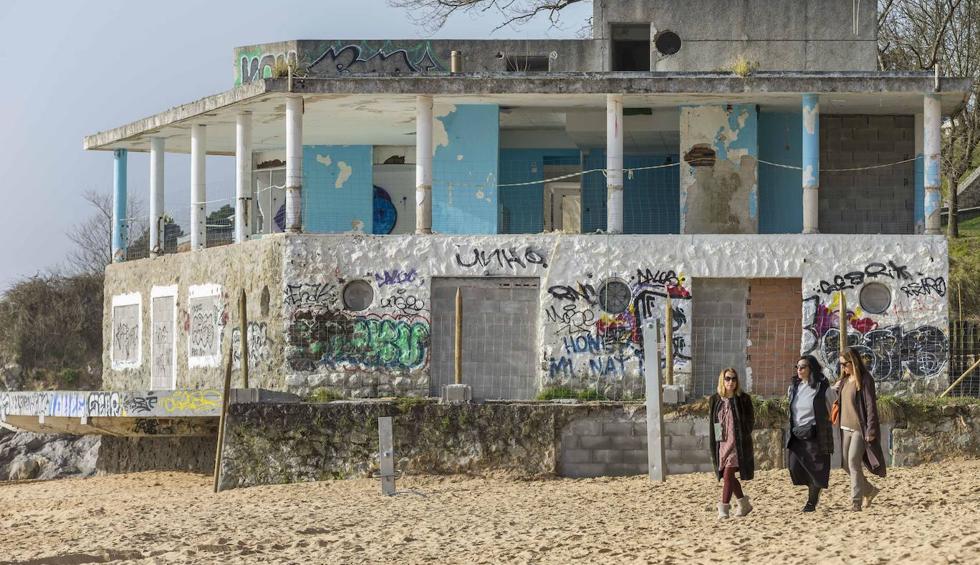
(636,153)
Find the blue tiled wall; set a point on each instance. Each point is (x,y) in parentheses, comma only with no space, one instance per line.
(522,207)
(780,190)
(464,172)
(333,200)
(651,199)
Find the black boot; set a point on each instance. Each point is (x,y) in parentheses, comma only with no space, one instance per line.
(812,499)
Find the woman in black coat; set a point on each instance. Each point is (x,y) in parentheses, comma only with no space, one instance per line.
(811,437)
(732,419)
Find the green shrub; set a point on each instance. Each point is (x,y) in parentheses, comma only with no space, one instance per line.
(322,395)
(564,392)
(407,403)
(69,377)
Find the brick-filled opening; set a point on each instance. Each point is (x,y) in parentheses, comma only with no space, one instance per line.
(773,309)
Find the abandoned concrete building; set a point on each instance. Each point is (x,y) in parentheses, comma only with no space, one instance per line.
(752,166)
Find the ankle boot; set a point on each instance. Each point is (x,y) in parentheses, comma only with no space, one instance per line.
(744,506)
(723,510)
(812,499)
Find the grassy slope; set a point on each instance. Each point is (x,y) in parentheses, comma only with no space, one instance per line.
(964,271)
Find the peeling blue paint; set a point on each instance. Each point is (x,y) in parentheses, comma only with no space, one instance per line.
(464,192)
(334,201)
(811,140)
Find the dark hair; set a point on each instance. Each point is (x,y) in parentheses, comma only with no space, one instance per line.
(816,371)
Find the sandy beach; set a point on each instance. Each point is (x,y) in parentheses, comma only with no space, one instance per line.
(925,514)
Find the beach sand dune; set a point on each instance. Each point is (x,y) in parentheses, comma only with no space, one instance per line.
(925,514)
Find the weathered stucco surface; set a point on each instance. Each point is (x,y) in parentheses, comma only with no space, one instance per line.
(720,169)
(595,292)
(216,275)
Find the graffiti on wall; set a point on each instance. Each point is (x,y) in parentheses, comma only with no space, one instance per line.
(259,345)
(104,404)
(511,258)
(871,271)
(320,334)
(889,350)
(384,59)
(206,319)
(162,345)
(125,335)
(598,325)
(385,215)
(255,66)
(108,404)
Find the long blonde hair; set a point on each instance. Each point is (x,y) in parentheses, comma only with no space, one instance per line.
(858,369)
(721,382)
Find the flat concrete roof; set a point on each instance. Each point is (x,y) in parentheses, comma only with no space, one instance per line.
(380,110)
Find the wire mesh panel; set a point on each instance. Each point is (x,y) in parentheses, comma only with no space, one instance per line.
(772,352)
(964,353)
(499,344)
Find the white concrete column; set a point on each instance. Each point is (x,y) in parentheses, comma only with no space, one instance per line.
(156,196)
(931,140)
(199,150)
(294,164)
(423,164)
(243,176)
(614,163)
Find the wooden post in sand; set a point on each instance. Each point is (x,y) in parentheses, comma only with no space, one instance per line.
(842,324)
(656,458)
(221,420)
(243,332)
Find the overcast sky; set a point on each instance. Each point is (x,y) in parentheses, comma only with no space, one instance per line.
(72,69)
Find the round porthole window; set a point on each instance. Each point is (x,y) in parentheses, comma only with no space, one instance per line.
(667,43)
(358,295)
(875,298)
(614,296)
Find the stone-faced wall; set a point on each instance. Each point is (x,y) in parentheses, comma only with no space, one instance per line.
(186,306)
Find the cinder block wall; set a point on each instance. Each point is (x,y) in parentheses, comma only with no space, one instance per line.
(719,330)
(871,201)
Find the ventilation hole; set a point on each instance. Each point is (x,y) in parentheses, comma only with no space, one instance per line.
(875,298)
(614,296)
(667,43)
(358,295)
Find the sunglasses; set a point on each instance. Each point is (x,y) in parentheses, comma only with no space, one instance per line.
(848,363)
(731,379)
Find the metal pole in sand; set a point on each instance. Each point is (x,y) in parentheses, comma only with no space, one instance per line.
(386,455)
(243,333)
(221,421)
(669,341)
(656,458)
(458,339)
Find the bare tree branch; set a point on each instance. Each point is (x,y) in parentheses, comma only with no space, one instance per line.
(431,15)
